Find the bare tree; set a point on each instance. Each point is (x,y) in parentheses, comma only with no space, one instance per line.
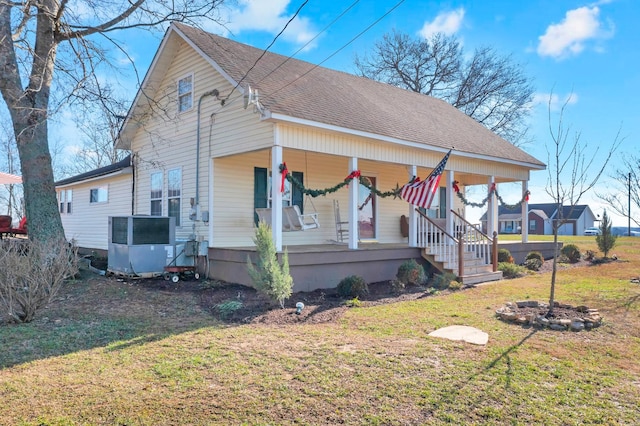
(55,41)
(488,87)
(99,127)
(572,173)
(10,195)
(627,179)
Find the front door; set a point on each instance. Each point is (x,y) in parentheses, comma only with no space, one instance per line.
(367,211)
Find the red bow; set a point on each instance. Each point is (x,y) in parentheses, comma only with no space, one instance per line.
(353,175)
(284,174)
(455,186)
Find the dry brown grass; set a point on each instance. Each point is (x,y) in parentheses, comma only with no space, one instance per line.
(113,352)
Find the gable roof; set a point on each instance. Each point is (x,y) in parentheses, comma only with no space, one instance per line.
(298,91)
(544,210)
(102,171)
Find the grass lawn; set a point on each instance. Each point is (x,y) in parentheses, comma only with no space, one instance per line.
(110,352)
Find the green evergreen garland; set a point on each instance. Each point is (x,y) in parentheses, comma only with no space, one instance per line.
(395,193)
(493,190)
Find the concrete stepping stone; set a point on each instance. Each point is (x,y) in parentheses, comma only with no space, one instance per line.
(462,332)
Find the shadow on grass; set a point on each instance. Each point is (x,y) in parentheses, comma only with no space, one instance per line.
(99,312)
(451,393)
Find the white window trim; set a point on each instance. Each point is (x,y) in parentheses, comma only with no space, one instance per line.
(179,169)
(179,95)
(161,199)
(98,188)
(287,197)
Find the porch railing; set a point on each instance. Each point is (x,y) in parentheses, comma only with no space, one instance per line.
(450,249)
(477,242)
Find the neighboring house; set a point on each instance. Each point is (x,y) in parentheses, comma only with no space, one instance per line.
(215,119)
(541,218)
(87,200)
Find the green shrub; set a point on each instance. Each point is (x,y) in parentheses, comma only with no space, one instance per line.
(606,240)
(397,286)
(228,307)
(352,286)
(269,277)
(535,255)
(511,270)
(572,253)
(532,264)
(455,285)
(353,303)
(504,255)
(443,281)
(411,273)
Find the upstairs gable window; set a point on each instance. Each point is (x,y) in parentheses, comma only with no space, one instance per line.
(185,93)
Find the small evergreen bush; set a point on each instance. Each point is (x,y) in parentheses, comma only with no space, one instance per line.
(606,240)
(504,255)
(532,264)
(411,273)
(511,270)
(535,255)
(443,281)
(352,286)
(572,253)
(269,276)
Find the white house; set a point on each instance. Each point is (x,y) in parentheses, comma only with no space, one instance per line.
(214,120)
(87,200)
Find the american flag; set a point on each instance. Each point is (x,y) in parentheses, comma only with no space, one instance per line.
(421,192)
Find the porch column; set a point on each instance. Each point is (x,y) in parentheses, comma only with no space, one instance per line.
(449,203)
(413,216)
(525,212)
(353,205)
(276,195)
(492,209)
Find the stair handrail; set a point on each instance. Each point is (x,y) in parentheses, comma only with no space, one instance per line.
(436,225)
(493,241)
(472,225)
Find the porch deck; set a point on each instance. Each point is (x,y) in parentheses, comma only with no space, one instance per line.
(321,266)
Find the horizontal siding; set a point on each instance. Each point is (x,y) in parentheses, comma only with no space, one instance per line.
(88,222)
(335,143)
(233,197)
(167,141)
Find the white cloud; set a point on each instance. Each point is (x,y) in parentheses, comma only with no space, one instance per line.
(447,22)
(553,101)
(270,16)
(571,36)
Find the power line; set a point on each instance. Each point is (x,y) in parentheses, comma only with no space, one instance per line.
(341,48)
(264,52)
(344,12)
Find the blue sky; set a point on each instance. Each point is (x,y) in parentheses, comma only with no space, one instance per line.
(589,50)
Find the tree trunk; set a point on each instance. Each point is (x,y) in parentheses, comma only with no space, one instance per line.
(28,108)
(43,218)
(552,293)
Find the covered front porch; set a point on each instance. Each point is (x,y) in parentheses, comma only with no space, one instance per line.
(364,181)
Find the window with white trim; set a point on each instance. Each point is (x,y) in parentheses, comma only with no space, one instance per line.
(155,208)
(286,195)
(99,194)
(185,93)
(174,191)
(69,200)
(61,200)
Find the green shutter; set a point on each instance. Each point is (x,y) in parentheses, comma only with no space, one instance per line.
(443,202)
(297,197)
(259,190)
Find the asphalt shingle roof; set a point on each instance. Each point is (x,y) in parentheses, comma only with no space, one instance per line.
(302,90)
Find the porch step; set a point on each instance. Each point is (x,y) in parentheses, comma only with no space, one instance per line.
(481,278)
(475,271)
